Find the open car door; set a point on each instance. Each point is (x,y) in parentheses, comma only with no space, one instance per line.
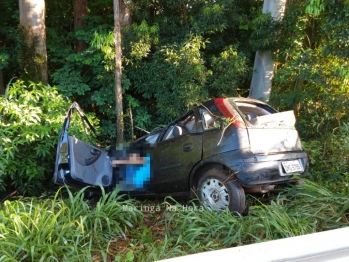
(79,164)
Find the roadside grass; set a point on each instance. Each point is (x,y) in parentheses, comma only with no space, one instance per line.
(62,229)
(115,228)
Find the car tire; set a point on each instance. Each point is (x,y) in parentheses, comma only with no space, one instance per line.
(217,191)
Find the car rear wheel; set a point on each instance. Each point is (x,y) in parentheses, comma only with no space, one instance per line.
(217,191)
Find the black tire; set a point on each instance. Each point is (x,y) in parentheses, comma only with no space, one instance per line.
(217,191)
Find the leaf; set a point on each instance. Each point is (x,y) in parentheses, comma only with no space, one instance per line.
(129,256)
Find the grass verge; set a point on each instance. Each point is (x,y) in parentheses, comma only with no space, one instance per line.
(119,229)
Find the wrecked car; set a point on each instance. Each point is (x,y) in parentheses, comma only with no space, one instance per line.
(217,152)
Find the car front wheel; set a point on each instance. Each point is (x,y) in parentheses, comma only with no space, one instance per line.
(217,191)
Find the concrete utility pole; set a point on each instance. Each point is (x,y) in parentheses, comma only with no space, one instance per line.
(263,64)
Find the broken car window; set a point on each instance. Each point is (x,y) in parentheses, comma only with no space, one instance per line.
(208,121)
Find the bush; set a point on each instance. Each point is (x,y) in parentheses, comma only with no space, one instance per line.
(329,159)
(31,117)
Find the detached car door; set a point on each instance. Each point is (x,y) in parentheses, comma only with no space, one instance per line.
(79,164)
(178,149)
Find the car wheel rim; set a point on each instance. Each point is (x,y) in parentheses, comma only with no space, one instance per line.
(214,194)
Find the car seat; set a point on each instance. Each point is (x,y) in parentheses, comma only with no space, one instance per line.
(179,131)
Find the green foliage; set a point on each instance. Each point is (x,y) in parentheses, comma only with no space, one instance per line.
(265,32)
(230,72)
(175,54)
(178,78)
(143,36)
(299,210)
(106,44)
(186,52)
(329,159)
(189,228)
(4,59)
(9,40)
(311,56)
(312,66)
(315,7)
(30,119)
(63,229)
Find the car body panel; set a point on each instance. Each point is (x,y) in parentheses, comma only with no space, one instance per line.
(173,161)
(268,141)
(222,140)
(89,164)
(262,170)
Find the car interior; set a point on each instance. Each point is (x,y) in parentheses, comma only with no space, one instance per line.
(208,120)
(183,127)
(251,111)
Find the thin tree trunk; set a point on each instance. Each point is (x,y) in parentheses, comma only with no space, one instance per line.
(80,10)
(34,56)
(125,13)
(131,121)
(122,17)
(118,74)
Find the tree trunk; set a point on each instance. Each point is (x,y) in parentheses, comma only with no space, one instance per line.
(122,17)
(80,10)
(125,13)
(118,74)
(33,61)
(263,64)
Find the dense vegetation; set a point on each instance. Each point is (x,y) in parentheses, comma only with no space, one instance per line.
(65,227)
(173,57)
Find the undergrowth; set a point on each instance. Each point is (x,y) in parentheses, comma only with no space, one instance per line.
(67,227)
(63,229)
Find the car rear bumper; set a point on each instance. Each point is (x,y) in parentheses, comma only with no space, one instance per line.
(268,169)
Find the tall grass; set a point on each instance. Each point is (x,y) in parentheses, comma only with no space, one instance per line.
(189,228)
(297,210)
(71,229)
(63,229)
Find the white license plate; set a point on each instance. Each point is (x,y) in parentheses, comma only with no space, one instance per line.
(292,166)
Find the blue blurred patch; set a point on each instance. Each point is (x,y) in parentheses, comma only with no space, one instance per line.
(138,176)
